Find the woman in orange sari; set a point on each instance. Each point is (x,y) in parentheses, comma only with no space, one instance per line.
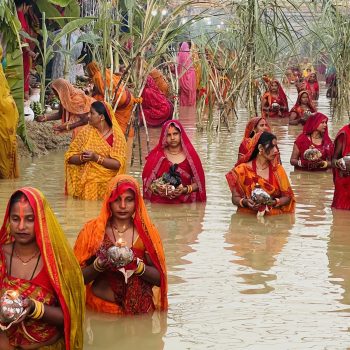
(302,109)
(123,96)
(141,285)
(160,81)
(274,102)
(258,167)
(37,263)
(74,107)
(96,155)
(255,125)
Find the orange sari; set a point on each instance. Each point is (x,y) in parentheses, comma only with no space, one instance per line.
(60,280)
(126,101)
(74,103)
(92,236)
(160,81)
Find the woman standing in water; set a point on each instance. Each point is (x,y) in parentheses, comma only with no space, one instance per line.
(138,287)
(302,109)
(37,262)
(258,167)
(274,102)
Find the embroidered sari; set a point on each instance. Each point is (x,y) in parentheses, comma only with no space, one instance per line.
(137,295)
(341,179)
(243,178)
(73,102)
(304,142)
(156,107)
(190,169)
(187,76)
(59,282)
(8,125)
(126,101)
(299,110)
(89,180)
(268,98)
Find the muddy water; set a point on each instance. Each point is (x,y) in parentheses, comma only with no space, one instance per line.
(234,282)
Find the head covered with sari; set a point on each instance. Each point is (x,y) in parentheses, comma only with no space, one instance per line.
(155,157)
(60,263)
(73,100)
(309,103)
(280,91)
(252,124)
(92,235)
(312,124)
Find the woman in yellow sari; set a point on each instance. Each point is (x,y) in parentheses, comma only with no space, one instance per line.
(138,287)
(96,155)
(37,263)
(258,167)
(123,95)
(8,125)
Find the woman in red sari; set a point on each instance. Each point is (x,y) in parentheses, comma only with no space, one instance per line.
(22,7)
(314,135)
(341,169)
(302,109)
(254,126)
(174,148)
(274,102)
(156,107)
(138,287)
(312,86)
(37,263)
(258,166)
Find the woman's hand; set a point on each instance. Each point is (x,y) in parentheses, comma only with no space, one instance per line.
(59,128)
(251,204)
(41,118)
(89,156)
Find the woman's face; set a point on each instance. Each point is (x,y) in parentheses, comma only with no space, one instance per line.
(94,117)
(173,137)
(312,77)
(274,87)
(271,151)
(123,208)
(262,126)
(22,222)
(322,126)
(304,99)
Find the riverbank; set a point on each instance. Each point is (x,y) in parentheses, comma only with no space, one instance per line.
(43,139)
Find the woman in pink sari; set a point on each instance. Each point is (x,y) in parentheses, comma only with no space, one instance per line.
(156,107)
(174,155)
(314,136)
(187,76)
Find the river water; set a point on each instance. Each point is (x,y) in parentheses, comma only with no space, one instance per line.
(234,282)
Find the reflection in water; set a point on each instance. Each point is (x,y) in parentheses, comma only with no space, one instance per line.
(338,252)
(257,244)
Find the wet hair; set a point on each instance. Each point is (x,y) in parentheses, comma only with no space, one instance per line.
(265,140)
(100,108)
(19,3)
(16,198)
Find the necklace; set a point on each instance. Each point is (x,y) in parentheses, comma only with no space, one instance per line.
(103,135)
(120,233)
(174,153)
(25,262)
(262,168)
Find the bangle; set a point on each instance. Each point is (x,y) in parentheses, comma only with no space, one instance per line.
(67,127)
(141,267)
(189,189)
(241,202)
(97,266)
(299,163)
(324,165)
(100,160)
(39,310)
(277,202)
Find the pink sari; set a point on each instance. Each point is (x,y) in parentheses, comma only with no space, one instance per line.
(190,169)
(187,76)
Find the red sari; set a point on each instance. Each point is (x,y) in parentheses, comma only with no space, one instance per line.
(313,89)
(190,169)
(298,109)
(26,57)
(341,179)
(156,107)
(304,142)
(281,99)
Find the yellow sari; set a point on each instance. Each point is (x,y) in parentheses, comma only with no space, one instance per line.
(90,180)
(8,124)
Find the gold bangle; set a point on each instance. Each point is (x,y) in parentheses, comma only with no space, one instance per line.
(67,127)
(324,165)
(97,266)
(39,310)
(241,202)
(140,268)
(100,160)
(143,271)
